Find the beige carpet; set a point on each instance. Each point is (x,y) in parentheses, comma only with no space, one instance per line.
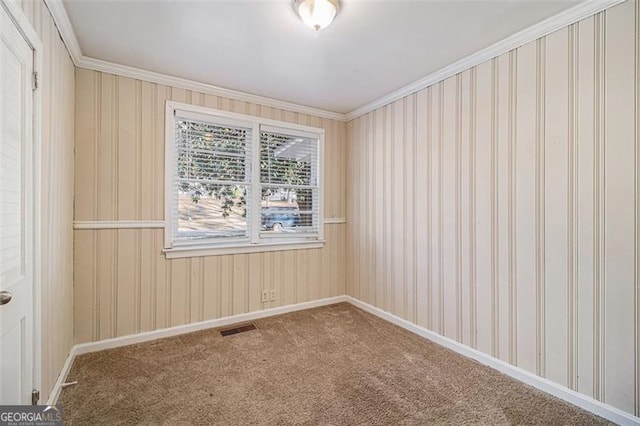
(333,365)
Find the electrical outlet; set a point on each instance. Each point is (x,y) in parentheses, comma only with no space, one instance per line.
(265,296)
(273,294)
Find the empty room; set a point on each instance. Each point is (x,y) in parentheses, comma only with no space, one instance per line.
(319,212)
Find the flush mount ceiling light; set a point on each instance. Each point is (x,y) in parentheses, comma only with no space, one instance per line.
(317,14)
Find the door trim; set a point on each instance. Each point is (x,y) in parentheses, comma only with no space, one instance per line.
(31,37)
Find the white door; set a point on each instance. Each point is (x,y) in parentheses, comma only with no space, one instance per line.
(16,215)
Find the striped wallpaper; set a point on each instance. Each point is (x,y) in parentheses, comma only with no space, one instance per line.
(123,282)
(501,207)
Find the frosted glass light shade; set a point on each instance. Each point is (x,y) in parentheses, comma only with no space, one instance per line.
(317,14)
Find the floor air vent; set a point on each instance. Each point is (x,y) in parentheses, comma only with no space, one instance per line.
(238,329)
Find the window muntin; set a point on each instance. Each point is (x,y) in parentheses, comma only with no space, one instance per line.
(224,167)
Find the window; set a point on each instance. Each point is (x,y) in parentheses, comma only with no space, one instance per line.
(237,184)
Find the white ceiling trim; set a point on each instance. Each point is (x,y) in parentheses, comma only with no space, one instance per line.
(181,83)
(61,19)
(534,32)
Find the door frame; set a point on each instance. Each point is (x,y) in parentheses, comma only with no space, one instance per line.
(31,37)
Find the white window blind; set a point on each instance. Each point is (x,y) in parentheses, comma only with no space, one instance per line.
(212,181)
(288,183)
(235,180)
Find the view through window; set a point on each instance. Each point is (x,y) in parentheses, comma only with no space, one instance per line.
(230,185)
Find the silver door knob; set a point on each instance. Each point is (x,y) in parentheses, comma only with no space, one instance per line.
(5,297)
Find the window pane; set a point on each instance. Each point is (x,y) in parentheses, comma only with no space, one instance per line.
(288,160)
(287,210)
(212,211)
(212,180)
(208,152)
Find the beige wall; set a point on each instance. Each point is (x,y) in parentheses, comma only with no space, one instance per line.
(518,179)
(124,284)
(57,85)
(500,207)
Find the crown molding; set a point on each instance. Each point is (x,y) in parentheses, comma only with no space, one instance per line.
(570,16)
(563,19)
(61,19)
(182,83)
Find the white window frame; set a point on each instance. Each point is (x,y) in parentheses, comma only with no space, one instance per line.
(255,243)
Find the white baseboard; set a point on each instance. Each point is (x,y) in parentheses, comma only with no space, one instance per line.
(132,339)
(587,403)
(603,410)
(62,377)
(84,348)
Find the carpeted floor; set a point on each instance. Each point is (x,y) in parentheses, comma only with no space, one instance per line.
(332,365)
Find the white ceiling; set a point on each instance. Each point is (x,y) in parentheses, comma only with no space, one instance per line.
(261,47)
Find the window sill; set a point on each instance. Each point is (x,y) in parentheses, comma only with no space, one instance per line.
(200,251)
